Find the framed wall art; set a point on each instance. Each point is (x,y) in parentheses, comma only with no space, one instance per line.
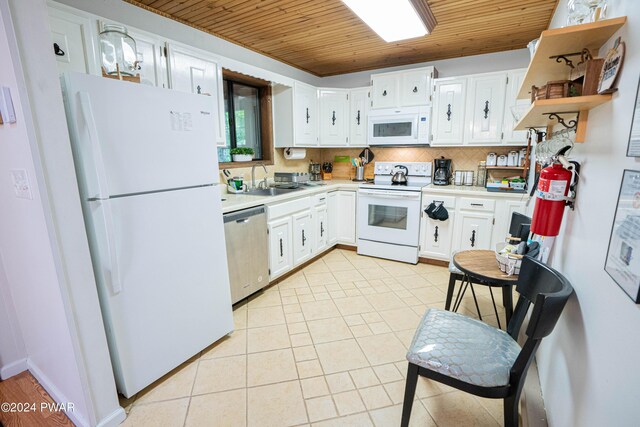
(633,149)
(623,255)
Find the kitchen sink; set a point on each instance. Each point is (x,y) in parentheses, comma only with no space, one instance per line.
(271,191)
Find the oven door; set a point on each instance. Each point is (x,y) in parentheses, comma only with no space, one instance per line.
(393,129)
(389,216)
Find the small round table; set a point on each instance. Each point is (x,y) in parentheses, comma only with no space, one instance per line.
(481,266)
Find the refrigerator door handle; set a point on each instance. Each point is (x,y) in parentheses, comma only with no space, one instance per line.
(112,255)
(96,152)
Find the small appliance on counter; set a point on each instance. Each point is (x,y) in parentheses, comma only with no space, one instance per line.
(290,179)
(236,185)
(314,172)
(442,171)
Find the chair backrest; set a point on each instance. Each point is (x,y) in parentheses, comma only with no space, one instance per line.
(519,226)
(548,290)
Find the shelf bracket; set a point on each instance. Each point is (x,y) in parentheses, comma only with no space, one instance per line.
(571,124)
(584,56)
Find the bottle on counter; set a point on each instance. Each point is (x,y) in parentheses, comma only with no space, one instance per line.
(482,174)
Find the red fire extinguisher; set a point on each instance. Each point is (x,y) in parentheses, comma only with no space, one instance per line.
(551,197)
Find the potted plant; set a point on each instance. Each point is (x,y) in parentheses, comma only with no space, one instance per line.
(242,154)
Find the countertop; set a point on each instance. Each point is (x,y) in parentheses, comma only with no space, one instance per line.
(235,202)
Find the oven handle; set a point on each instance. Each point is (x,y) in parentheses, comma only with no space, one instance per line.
(390,194)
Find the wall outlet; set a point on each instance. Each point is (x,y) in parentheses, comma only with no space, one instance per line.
(21,185)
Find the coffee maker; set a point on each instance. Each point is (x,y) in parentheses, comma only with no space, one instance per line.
(441,171)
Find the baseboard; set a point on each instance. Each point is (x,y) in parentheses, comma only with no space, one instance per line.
(56,394)
(346,247)
(532,409)
(438,262)
(13,368)
(114,419)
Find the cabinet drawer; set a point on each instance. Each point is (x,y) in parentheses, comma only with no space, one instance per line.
(449,201)
(475,204)
(319,199)
(288,208)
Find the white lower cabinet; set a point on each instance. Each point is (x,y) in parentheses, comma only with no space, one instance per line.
(321,230)
(280,254)
(332,217)
(474,223)
(345,213)
(302,237)
(475,230)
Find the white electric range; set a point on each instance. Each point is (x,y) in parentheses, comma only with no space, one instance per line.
(388,218)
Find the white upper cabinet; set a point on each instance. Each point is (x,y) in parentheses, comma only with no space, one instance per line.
(334,109)
(198,72)
(402,88)
(384,93)
(448,111)
(414,87)
(514,137)
(74,42)
(305,115)
(358,113)
(485,108)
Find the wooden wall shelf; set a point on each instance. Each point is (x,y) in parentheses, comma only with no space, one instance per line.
(568,108)
(565,40)
(506,167)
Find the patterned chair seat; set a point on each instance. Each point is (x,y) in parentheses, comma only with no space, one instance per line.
(452,268)
(463,348)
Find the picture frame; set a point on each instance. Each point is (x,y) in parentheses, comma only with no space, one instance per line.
(633,147)
(622,262)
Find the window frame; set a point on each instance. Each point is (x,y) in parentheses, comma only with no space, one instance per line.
(265,119)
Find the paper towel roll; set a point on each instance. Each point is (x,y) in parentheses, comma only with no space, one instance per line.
(295,153)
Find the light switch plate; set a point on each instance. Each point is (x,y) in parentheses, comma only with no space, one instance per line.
(6,106)
(21,185)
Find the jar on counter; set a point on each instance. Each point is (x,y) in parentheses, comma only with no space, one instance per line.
(118,51)
(482,174)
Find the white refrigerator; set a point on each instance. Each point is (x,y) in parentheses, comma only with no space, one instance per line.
(147,168)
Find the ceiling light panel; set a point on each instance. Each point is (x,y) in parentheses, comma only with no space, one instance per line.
(392,20)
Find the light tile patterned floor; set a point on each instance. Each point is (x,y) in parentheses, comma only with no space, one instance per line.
(324,347)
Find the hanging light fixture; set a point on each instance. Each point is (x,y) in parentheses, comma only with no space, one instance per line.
(395,20)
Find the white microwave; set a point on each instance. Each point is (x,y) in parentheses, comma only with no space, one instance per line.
(399,126)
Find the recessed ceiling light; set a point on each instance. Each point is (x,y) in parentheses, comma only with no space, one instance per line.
(395,20)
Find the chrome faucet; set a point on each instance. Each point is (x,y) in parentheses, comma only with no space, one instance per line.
(253,175)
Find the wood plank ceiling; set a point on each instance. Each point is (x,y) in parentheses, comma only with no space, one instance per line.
(325,37)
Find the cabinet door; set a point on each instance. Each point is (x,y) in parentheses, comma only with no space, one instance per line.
(385,91)
(332,217)
(448,111)
(514,137)
(73,36)
(437,237)
(153,69)
(346,217)
(196,72)
(358,113)
(334,106)
(302,237)
(414,89)
(280,255)
(475,230)
(321,231)
(305,115)
(504,210)
(485,109)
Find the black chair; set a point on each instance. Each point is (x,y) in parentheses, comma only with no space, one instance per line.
(477,358)
(519,228)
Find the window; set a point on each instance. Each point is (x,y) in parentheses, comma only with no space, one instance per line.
(247,108)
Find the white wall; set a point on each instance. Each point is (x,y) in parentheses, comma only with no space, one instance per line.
(42,240)
(446,68)
(13,355)
(25,249)
(589,365)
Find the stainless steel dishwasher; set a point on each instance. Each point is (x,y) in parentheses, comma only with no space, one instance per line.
(245,233)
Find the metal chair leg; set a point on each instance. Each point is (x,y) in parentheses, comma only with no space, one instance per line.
(475,300)
(452,286)
(495,309)
(409,393)
(463,288)
(511,411)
